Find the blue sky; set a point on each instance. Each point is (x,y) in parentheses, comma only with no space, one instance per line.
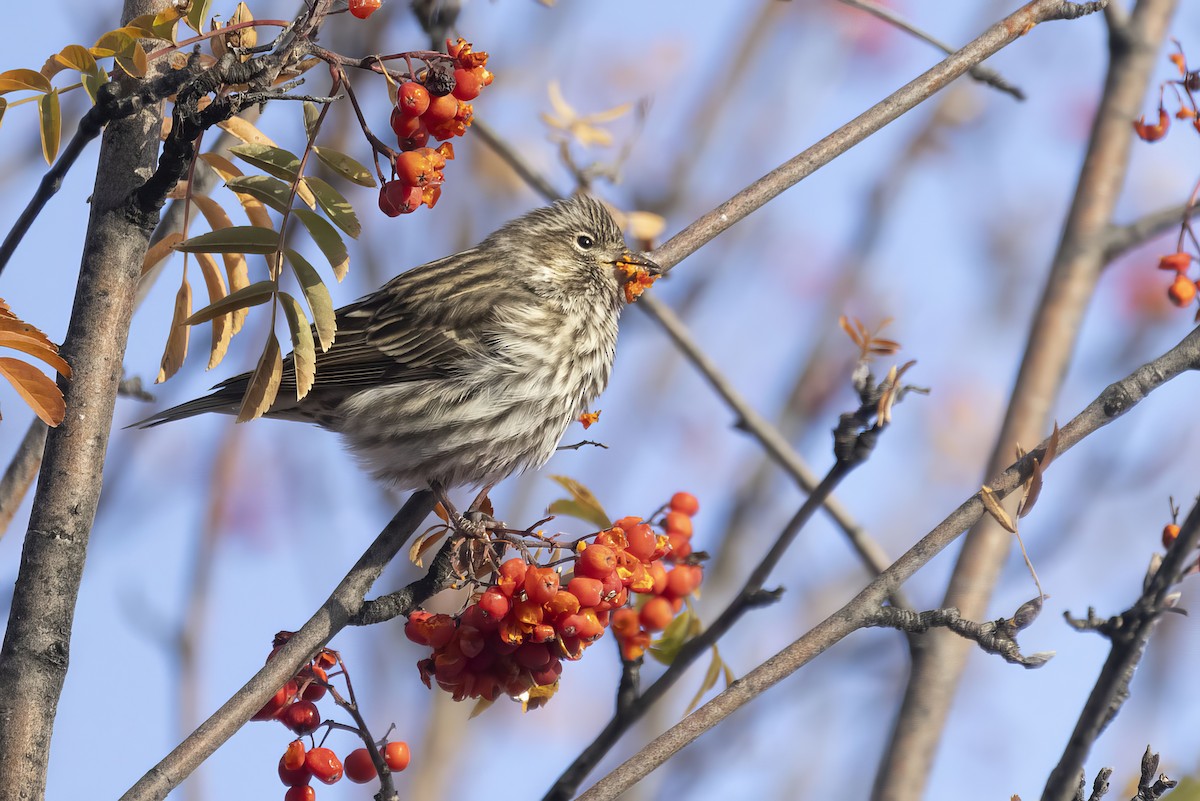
(963,241)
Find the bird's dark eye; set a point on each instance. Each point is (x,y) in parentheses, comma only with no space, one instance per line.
(584,241)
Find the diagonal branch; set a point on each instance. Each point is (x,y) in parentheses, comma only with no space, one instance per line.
(1116,399)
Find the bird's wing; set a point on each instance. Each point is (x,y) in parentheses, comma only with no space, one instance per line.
(425,323)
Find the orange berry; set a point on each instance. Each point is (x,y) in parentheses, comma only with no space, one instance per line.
(292,770)
(1182,291)
(1169,533)
(685,503)
(1152,133)
(596,561)
(642,542)
(397,197)
(441,110)
(364,8)
(396,755)
(412,98)
(1179,262)
(541,584)
(467,84)
(563,603)
(359,767)
(324,764)
(512,576)
(272,708)
(681,546)
(656,615)
(683,580)
(300,793)
(625,622)
(658,574)
(494,604)
(678,523)
(587,590)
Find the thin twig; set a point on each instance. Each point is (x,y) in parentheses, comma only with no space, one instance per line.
(985,75)
(19,474)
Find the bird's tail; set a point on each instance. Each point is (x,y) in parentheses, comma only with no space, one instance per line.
(223,401)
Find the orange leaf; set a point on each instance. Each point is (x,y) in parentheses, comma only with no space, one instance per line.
(42,394)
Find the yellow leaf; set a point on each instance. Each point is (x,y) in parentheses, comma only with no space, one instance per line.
(36,389)
(277,162)
(50,124)
(235,239)
(92,83)
(582,503)
(197,13)
(328,240)
(336,207)
(78,58)
(161,250)
(245,130)
(345,166)
(16,80)
(264,384)
(222,324)
(177,340)
(317,294)
(235,263)
(710,679)
(304,353)
(993,507)
(253,295)
(24,337)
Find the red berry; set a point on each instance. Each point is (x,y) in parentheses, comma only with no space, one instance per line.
(416,168)
(278,702)
(625,622)
(685,503)
(681,546)
(364,8)
(541,584)
(302,717)
(397,197)
(467,84)
(324,764)
(532,655)
(656,614)
(563,603)
(404,125)
(512,576)
(642,542)
(494,604)
(470,641)
(312,674)
(292,768)
(1178,262)
(659,574)
(412,98)
(441,110)
(300,793)
(359,767)
(596,561)
(587,590)
(396,755)
(416,141)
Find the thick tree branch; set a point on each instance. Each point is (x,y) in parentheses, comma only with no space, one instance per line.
(36,649)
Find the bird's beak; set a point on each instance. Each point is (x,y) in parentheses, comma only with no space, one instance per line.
(638,260)
(638,273)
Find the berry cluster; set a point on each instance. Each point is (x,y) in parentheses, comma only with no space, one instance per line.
(1183,290)
(437,105)
(294,705)
(515,635)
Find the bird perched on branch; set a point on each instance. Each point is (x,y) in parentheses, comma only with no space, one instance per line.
(468,369)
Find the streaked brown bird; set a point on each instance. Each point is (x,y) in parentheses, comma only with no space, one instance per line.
(467,369)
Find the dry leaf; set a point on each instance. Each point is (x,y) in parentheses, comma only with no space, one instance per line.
(36,389)
(264,384)
(992,504)
(177,340)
